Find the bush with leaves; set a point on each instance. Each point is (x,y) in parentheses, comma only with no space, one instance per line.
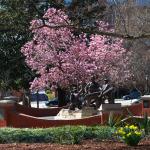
(62,135)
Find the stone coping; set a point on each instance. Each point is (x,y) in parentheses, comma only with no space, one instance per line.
(67,118)
(145,97)
(7,101)
(76,114)
(11,97)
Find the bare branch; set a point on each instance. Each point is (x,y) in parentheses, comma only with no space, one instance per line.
(96,31)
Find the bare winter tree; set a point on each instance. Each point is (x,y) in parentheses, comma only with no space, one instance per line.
(133,18)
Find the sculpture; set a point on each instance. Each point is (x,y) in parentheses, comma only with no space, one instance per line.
(94,95)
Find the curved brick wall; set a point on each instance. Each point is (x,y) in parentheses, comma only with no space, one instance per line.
(37,112)
(2,123)
(135,109)
(24,117)
(24,121)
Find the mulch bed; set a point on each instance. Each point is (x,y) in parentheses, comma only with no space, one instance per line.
(85,145)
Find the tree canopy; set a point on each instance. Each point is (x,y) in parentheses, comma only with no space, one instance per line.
(15,16)
(57,54)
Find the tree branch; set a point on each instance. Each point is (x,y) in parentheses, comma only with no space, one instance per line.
(99,32)
(90,31)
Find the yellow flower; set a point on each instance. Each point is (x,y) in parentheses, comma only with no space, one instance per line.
(129,134)
(138,133)
(121,129)
(132,127)
(121,132)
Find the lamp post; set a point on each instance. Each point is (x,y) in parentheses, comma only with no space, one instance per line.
(146,88)
(37,98)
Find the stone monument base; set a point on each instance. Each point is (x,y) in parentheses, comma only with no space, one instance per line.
(77,114)
(88,111)
(108,110)
(111,107)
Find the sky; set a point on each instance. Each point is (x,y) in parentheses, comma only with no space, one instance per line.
(68,1)
(140,2)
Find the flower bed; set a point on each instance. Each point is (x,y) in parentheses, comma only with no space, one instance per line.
(131,135)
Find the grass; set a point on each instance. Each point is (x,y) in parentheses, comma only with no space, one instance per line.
(63,135)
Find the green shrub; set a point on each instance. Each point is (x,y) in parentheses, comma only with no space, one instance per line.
(145,124)
(10,135)
(68,135)
(63,135)
(98,132)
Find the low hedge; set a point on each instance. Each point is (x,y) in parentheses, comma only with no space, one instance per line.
(63,135)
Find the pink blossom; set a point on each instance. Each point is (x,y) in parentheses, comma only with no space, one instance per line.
(57,55)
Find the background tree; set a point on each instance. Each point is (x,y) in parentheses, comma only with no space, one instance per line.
(15,16)
(132,17)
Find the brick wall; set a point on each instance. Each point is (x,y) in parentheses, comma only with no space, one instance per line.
(135,109)
(37,112)
(23,117)
(25,121)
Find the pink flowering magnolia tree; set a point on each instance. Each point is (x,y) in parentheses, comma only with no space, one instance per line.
(56,54)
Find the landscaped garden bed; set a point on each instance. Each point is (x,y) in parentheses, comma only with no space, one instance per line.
(84,145)
(66,138)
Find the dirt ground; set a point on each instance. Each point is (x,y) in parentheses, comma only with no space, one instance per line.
(85,145)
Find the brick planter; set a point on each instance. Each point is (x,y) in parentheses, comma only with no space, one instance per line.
(2,123)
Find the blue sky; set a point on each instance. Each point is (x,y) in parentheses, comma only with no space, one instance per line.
(68,1)
(139,2)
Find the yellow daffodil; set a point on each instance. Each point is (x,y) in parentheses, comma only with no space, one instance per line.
(138,133)
(129,134)
(132,127)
